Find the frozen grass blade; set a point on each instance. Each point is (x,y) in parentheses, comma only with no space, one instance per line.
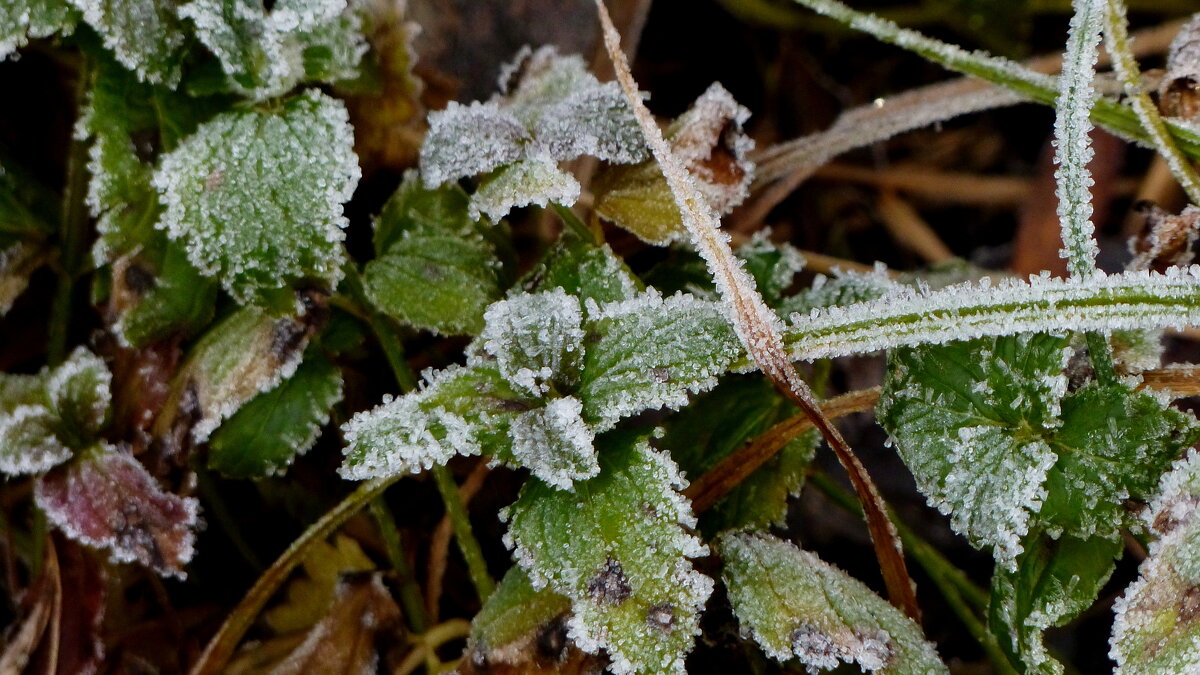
(1116,40)
(756,325)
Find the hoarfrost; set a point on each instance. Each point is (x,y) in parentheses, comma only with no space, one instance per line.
(555,443)
(24,20)
(796,606)
(144,35)
(535,179)
(496,138)
(535,337)
(256,197)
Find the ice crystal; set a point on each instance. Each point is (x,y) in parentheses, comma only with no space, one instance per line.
(796,606)
(266,53)
(24,20)
(256,197)
(616,548)
(1155,629)
(106,498)
(551,109)
(145,36)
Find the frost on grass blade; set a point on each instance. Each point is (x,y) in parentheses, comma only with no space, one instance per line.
(1156,629)
(145,36)
(459,411)
(266,53)
(106,498)
(717,423)
(968,420)
(1054,580)
(796,606)
(25,20)
(617,547)
(651,352)
(266,434)
(249,352)
(535,179)
(435,267)
(709,141)
(536,340)
(551,110)
(256,196)
(1073,145)
(841,290)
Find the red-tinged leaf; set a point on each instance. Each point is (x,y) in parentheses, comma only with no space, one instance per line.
(343,641)
(106,498)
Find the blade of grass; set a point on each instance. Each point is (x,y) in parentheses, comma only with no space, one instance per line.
(755,324)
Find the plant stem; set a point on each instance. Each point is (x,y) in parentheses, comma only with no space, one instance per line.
(966,599)
(72,232)
(574,225)
(467,544)
(1116,34)
(410,591)
(223,643)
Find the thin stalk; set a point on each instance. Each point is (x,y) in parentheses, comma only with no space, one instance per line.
(574,225)
(755,323)
(1116,36)
(222,645)
(965,599)
(72,232)
(410,591)
(467,544)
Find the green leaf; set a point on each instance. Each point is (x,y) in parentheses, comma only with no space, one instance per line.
(536,340)
(25,20)
(255,196)
(267,53)
(514,614)
(796,606)
(991,438)
(266,434)
(245,354)
(968,419)
(584,270)
(166,294)
(1054,580)
(651,352)
(719,422)
(535,179)
(78,390)
(1156,629)
(145,36)
(617,548)
(436,268)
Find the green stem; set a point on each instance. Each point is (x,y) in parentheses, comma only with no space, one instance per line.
(574,225)
(467,544)
(72,233)
(965,599)
(1100,353)
(410,591)
(1116,34)
(216,654)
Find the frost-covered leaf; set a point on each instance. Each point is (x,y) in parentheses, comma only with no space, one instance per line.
(436,268)
(535,179)
(552,110)
(1155,631)
(266,434)
(308,597)
(247,353)
(44,418)
(651,352)
(719,422)
(459,410)
(584,270)
(509,622)
(25,20)
(846,288)
(106,498)
(617,548)
(256,196)
(796,606)
(18,260)
(555,443)
(536,340)
(145,36)
(156,292)
(970,419)
(709,141)
(1054,580)
(265,53)
(993,440)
